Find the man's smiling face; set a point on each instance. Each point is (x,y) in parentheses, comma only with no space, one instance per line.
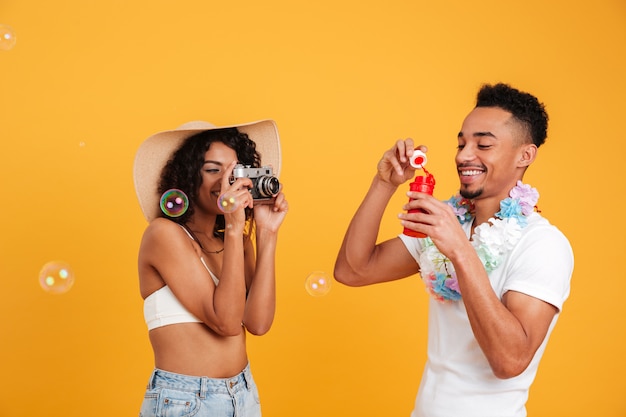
(488,149)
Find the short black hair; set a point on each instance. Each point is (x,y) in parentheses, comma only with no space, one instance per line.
(524,107)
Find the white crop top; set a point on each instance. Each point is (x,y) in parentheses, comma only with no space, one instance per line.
(162,308)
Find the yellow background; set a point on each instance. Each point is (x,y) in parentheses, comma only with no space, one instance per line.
(87,81)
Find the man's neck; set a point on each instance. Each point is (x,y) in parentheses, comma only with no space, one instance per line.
(487,207)
(484,210)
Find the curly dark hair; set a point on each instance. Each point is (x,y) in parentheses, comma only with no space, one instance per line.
(524,107)
(184,169)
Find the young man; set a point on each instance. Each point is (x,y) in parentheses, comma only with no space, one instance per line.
(497,271)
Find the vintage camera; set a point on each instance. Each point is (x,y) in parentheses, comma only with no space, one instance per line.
(264,183)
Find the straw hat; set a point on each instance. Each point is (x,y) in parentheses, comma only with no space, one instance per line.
(155,151)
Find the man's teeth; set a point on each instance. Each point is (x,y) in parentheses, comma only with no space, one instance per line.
(471,172)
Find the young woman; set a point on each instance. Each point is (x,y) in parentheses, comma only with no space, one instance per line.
(206,276)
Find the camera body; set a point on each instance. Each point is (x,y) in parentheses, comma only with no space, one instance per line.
(264,183)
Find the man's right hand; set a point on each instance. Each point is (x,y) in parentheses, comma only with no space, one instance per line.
(394,167)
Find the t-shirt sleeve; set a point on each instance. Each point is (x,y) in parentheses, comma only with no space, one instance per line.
(412,245)
(541,266)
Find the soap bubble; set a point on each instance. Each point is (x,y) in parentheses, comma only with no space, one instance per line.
(227,202)
(174,203)
(317,283)
(7,37)
(56,277)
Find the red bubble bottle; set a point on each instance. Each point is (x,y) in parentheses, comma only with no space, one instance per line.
(421,183)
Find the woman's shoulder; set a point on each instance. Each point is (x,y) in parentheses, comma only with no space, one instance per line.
(161,223)
(160,228)
(163,239)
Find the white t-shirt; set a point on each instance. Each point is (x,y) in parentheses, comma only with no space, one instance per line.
(457,380)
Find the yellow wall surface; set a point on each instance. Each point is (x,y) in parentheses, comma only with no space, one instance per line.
(88,81)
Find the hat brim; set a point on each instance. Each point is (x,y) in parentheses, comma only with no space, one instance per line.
(155,151)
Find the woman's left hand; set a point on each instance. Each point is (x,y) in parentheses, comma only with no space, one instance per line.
(270,216)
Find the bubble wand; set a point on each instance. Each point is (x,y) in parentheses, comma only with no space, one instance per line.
(421,184)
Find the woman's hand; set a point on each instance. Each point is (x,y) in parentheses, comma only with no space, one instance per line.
(271,216)
(239,192)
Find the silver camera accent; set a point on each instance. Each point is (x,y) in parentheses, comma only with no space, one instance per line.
(264,183)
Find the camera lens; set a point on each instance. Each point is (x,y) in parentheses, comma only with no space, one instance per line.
(268,186)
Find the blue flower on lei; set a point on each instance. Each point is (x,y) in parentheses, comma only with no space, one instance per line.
(446,287)
(520,204)
(512,209)
(461,207)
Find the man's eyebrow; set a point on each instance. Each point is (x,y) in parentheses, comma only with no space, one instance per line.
(479,135)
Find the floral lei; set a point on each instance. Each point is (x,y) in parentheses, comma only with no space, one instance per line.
(492,240)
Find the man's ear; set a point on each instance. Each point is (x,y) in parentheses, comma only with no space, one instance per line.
(528,153)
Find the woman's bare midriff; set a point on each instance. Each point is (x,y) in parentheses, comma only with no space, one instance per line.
(194,349)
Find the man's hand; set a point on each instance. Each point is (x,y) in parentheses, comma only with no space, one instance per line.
(394,167)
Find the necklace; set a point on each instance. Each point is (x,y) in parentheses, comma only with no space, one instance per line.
(492,240)
(211,251)
(208,252)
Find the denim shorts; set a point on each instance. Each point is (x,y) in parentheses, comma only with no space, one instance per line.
(174,395)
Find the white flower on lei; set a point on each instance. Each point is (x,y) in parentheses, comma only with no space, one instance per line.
(430,256)
(495,238)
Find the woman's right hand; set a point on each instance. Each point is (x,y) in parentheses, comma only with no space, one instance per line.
(239,190)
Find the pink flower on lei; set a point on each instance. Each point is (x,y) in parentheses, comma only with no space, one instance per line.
(527,196)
